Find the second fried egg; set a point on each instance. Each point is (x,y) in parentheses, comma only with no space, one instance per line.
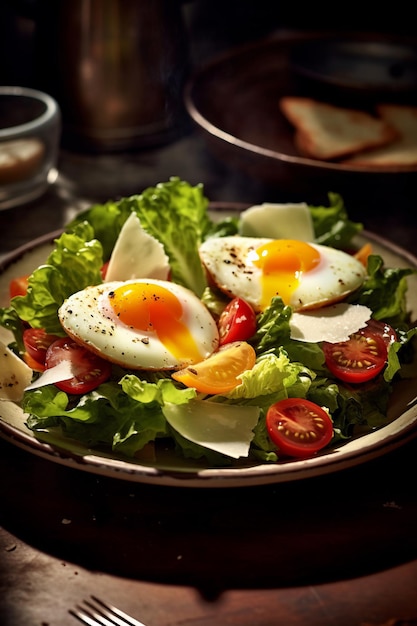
(305,275)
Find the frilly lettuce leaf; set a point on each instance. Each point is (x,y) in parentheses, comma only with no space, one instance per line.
(162,392)
(332,226)
(124,416)
(384,291)
(74,264)
(173,212)
(272,377)
(274,332)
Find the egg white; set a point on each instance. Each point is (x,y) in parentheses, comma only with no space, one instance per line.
(88,317)
(227,262)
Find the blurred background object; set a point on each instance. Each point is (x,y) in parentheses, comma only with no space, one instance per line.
(234,99)
(30,130)
(95,166)
(115,66)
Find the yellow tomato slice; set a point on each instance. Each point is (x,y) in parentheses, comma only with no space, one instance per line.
(219,372)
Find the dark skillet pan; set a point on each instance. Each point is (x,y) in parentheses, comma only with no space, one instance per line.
(365,68)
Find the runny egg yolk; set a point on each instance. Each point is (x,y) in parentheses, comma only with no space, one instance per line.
(153,308)
(283,262)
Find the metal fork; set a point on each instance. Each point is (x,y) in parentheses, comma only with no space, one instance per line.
(95,612)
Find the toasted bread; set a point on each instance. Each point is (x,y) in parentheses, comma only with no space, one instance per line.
(402,153)
(328,132)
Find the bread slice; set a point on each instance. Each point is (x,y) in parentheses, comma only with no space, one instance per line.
(328,132)
(403,152)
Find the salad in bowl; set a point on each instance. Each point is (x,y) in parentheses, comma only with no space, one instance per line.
(258,337)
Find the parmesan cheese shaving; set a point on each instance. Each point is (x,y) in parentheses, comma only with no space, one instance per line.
(278,221)
(224,428)
(62,371)
(14,375)
(137,254)
(332,323)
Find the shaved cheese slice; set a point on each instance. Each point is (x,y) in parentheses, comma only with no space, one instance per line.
(278,221)
(62,371)
(225,428)
(137,254)
(14,375)
(332,323)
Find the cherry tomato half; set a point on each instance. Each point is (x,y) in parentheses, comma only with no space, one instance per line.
(360,358)
(34,365)
(237,322)
(36,342)
(90,370)
(298,427)
(386,331)
(103,270)
(18,286)
(219,372)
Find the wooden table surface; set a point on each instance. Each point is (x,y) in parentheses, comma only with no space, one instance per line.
(332,550)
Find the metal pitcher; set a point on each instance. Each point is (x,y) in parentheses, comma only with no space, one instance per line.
(116,67)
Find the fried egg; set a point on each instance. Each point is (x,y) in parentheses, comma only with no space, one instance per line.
(141,324)
(305,275)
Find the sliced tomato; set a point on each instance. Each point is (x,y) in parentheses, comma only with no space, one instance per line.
(298,427)
(36,342)
(89,369)
(360,358)
(219,372)
(237,322)
(386,331)
(34,365)
(18,286)
(103,270)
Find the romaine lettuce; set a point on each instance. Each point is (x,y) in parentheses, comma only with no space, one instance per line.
(173,212)
(74,264)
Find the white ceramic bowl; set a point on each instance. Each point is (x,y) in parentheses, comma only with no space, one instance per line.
(30,129)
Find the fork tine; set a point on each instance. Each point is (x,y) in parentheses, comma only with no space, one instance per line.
(83,616)
(102,614)
(115,613)
(90,617)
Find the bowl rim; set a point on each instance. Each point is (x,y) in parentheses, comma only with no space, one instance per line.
(51,110)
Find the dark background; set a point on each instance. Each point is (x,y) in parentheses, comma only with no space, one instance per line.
(213,26)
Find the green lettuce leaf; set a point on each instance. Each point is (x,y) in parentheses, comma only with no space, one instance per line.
(332,225)
(74,264)
(272,378)
(273,327)
(274,332)
(401,356)
(174,212)
(384,291)
(124,416)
